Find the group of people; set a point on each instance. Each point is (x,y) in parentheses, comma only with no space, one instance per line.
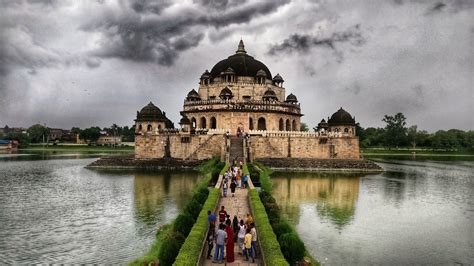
(234,178)
(227,234)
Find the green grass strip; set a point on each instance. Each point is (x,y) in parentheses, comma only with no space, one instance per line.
(268,241)
(191,249)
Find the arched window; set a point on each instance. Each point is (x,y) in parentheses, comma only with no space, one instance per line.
(250,123)
(293,126)
(149,128)
(261,124)
(203,122)
(213,123)
(193,122)
(288,127)
(140,128)
(346,130)
(336,129)
(280,125)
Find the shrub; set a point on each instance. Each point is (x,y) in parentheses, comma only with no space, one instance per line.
(170,248)
(200,197)
(203,190)
(193,208)
(282,228)
(183,224)
(292,247)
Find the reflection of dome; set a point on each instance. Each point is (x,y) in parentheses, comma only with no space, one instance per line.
(193,96)
(341,117)
(241,63)
(226,94)
(269,95)
(150,113)
(291,98)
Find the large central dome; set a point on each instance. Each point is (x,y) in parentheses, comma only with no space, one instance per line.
(241,63)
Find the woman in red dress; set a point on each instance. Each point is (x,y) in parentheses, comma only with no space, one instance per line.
(229,249)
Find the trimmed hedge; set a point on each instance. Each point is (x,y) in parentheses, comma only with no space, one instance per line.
(191,249)
(268,240)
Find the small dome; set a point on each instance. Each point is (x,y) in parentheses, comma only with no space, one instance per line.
(184,120)
(291,98)
(228,71)
(193,96)
(150,113)
(269,95)
(341,117)
(206,74)
(226,94)
(277,78)
(261,73)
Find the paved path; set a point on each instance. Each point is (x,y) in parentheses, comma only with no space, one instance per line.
(237,205)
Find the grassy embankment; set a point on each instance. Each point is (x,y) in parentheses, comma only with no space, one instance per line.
(187,229)
(279,241)
(78,148)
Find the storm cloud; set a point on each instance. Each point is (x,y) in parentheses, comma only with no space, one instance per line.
(84,63)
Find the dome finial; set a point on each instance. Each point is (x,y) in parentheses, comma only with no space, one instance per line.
(241,48)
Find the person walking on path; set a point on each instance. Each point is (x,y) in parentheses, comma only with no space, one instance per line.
(241,235)
(210,242)
(229,249)
(248,220)
(253,232)
(224,187)
(221,237)
(235,227)
(211,217)
(233,185)
(222,214)
(248,246)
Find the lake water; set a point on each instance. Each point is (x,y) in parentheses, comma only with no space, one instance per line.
(417,212)
(56,211)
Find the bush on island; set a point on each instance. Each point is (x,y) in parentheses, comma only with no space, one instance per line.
(170,248)
(183,224)
(292,247)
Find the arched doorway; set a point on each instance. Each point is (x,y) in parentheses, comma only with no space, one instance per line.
(213,123)
(203,122)
(261,124)
(250,123)
(293,126)
(288,126)
(280,125)
(193,122)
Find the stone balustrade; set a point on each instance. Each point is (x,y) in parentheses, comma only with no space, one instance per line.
(241,105)
(272,133)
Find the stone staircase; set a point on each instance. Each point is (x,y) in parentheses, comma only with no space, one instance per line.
(236,149)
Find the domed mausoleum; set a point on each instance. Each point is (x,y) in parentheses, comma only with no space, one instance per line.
(240,97)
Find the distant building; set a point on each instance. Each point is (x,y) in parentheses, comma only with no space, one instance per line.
(61,135)
(106,139)
(8,144)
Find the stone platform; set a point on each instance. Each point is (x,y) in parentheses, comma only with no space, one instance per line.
(320,165)
(129,162)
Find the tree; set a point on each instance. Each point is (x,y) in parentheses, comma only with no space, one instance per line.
(38,133)
(91,134)
(395,130)
(22,138)
(412,135)
(304,127)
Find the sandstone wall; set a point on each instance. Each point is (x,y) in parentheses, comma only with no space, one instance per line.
(304,147)
(181,146)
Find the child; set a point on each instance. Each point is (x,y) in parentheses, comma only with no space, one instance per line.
(248,246)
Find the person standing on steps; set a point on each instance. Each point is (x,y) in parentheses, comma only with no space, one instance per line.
(233,185)
(235,227)
(221,238)
(253,232)
(241,235)
(211,217)
(210,242)
(222,215)
(248,245)
(229,249)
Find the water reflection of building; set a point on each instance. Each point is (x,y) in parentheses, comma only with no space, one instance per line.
(334,196)
(158,194)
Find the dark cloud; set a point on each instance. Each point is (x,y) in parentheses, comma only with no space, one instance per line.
(160,38)
(304,42)
(148,6)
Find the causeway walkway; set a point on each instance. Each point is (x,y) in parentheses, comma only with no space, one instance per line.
(237,205)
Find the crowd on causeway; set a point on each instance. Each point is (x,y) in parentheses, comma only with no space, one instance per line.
(224,232)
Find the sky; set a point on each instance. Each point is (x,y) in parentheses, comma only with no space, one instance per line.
(66,63)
